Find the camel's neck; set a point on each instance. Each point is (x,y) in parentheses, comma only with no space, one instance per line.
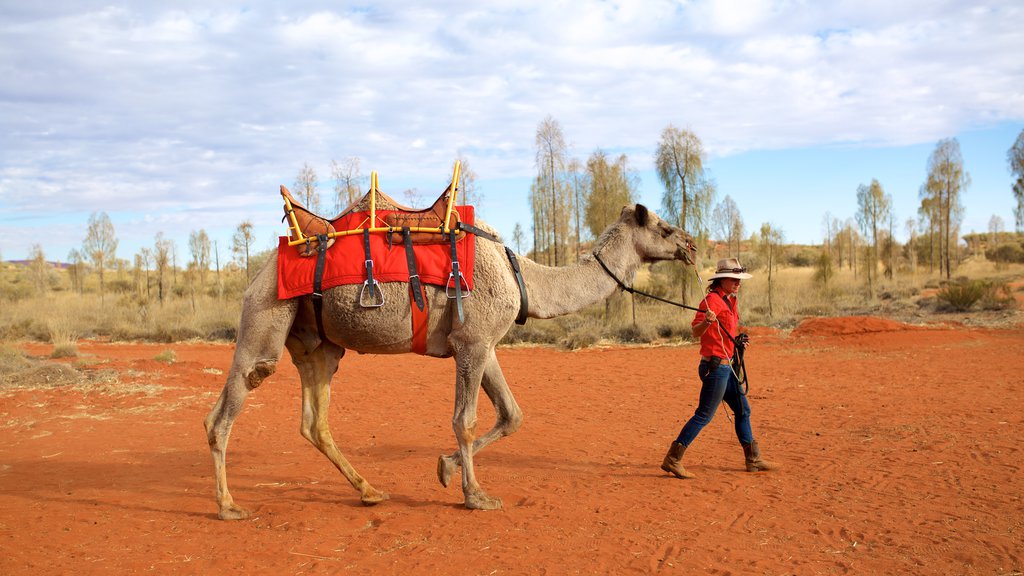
(564,290)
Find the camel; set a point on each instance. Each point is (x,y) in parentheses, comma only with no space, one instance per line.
(268,325)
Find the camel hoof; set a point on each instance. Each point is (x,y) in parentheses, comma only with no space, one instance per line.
(483,502)
(372,497)
(233,512)
(445,469)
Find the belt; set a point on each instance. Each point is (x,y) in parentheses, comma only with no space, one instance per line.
(712,358)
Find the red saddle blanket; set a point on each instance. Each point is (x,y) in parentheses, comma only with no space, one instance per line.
(345,261)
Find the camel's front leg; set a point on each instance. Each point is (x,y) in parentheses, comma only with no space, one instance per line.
(315,370)
(469,369)
(261,335)
(509,418)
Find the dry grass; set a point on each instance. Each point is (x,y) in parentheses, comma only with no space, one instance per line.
(63,317)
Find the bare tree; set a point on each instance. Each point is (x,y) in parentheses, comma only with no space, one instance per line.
(241,242)
(348,181)
(305,187)
(100,244)
(1015,159)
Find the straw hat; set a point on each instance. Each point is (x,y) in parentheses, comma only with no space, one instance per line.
(730,268)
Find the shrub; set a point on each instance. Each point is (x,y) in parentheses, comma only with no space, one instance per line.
(961,294)
(1006,253)
(167,356)
(635,334)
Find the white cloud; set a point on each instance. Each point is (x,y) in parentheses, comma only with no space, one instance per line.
(154,109)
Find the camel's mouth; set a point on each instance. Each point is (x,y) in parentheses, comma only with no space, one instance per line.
(687,252)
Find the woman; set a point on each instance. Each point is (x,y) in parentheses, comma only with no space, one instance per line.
(714,324)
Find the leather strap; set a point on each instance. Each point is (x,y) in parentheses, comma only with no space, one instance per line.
(414,277)
(456,275)
(524,304)
(318,277)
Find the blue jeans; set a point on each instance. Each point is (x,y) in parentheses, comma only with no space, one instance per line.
(718,384)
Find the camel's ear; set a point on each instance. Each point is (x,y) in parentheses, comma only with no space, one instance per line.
(642,216)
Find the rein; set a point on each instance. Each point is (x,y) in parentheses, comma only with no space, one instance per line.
(741,367)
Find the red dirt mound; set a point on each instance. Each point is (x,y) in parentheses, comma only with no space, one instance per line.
(845,325)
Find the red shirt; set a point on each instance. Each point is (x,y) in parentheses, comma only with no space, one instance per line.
(714,342)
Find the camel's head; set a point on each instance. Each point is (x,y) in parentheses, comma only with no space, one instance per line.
(657,239)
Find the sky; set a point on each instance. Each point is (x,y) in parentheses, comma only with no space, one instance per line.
(185,116)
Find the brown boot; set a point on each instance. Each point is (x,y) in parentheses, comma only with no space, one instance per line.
(754,461)
(672,462)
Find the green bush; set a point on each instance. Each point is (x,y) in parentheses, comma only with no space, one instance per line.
(1010,252)
(961,294)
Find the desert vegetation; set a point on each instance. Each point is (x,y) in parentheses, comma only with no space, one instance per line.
(61,306)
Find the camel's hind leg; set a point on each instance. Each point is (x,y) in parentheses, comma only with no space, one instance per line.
(264,326)
(316,367)
(509,418)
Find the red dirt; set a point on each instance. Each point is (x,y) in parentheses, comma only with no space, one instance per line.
(900,451)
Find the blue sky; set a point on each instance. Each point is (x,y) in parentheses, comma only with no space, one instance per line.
(186,116)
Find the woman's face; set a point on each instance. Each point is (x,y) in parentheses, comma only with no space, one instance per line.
(730,285)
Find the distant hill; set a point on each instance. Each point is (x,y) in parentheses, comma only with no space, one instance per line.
(58,265)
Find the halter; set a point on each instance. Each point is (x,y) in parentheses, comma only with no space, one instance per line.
(738,366)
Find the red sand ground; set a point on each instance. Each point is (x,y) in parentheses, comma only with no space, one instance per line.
(900,446)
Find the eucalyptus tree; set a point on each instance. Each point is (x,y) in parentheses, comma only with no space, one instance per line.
(305,188)
(469,192)
(728,224)
(347,182)
(76,270)
(946,181)
(162,260)
(1015,159)
(611,185)
(199,246)
(100,244)
(550,203)
(770,241)
(241,243)
(873,206)
(579,184)
(39,269)
(679,160)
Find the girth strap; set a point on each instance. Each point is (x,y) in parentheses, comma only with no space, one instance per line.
(318,277)
(524,300)
(524,304)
